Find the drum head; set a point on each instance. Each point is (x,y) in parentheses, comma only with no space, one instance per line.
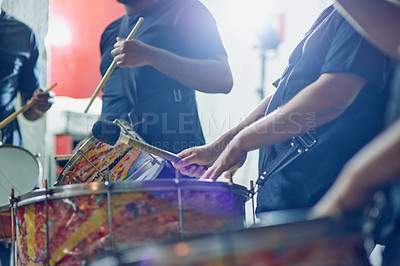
(19,169)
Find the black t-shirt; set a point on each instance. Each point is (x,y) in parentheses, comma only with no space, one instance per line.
(332,45)
(166,110)
(18,70)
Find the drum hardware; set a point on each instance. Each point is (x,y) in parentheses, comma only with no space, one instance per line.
(118,122)
(94,166)
(180,210)
(110,220)
(252,193)
(13,200)
(46,205)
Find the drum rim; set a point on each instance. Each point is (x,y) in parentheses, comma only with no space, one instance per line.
(329,227)
(172,185)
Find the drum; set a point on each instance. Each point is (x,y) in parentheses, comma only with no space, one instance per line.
(316,242)
(20,170)
(96,161)
(5,224)
(74,223)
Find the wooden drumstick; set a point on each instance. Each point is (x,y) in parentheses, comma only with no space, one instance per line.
(23,109)
(111,68)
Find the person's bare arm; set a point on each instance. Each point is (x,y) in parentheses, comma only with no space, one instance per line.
(374,166)
(211,75)
(207,154)
(377,20)
(327,98)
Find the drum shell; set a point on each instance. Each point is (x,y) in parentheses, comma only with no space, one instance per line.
(96,161)
(316,242)
(141,212)
(5,224)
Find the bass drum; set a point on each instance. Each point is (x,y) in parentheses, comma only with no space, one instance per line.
(96,161)
(85,221)
(317,242)
(20,170)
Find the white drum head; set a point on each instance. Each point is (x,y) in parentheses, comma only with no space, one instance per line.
(19,169)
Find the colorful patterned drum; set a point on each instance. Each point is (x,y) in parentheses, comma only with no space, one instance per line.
(96,161)
(318,242)
(87,220)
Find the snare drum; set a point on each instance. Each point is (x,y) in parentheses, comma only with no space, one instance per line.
(20,170)
(96,161)
(317,242)
(87,220)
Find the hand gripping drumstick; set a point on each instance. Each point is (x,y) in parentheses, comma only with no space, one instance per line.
(23,109)
(111,68)
(110,133)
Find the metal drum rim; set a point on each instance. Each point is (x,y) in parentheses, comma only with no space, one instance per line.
(85,189)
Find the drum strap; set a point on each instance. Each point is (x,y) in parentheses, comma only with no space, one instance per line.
(297,146)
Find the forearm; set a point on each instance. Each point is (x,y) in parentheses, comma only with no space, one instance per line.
(317,104)
(378,20)
(255,115)
(206,75)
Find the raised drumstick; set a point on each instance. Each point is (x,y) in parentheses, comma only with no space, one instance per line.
(111,68)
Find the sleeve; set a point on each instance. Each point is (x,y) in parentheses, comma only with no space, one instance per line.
(30,72)
(199,33)
(350,52)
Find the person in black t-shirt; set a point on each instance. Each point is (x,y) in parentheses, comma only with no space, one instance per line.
(334,88)
(376,166)
(176,51)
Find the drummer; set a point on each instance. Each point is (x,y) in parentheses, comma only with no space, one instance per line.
(176,51)
(19,73)
(335,89)
(377,165)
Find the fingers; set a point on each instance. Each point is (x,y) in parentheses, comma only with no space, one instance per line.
(193,171)
(188,156)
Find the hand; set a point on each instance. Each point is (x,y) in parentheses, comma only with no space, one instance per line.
(41,101)
(230,160)
(194,160)
(132,53)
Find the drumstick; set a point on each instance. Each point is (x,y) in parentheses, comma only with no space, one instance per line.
(111,134)
(111,68)
(23,109)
